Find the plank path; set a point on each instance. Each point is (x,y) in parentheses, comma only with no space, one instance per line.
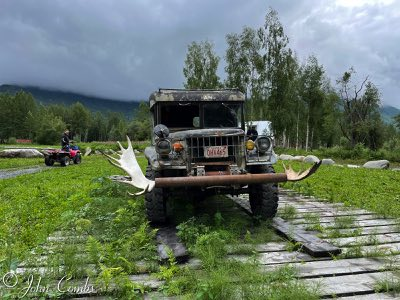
(344,251)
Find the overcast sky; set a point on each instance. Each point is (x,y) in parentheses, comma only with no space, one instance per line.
(126,49)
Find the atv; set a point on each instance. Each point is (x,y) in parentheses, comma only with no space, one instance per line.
(64,156)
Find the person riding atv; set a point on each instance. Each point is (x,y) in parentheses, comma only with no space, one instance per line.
(65,140)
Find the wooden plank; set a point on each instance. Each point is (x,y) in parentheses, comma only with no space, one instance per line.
(366,239)
(157,296)
(270,247)
(357,220)
(374,250)
(311,244)
(167,239)
(361,224)
(281,257)
(364,231)
(348,285)
(147,280)
(329,213)
(338,267)
(377,296)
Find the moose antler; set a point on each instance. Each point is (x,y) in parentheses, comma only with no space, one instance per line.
(127,162)
(296,176)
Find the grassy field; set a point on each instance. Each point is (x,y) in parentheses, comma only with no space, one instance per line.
(376,190)
(118,240)
(11,163)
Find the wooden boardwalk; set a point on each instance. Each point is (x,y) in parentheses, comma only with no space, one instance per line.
(369,246)
(363,249)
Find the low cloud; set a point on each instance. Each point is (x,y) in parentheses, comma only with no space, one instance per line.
(126,49)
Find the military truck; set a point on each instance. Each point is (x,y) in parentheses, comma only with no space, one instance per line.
(200,134)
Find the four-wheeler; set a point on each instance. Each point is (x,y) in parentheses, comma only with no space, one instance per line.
(62,156)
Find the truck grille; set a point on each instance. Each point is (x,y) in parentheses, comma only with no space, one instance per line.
(235,146)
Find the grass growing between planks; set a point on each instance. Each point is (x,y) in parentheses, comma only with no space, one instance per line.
(214,238)
(375,190)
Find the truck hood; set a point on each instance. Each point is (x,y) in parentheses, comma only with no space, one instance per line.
(206,132)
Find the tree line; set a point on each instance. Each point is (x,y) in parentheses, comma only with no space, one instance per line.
(305,108)
(23,118)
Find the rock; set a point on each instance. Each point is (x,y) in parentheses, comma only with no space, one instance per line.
(20,153)
(377,164)
(311,159)
(285,157)
(299,158)
(353,166)
(88,151)
(396,169)
(136,151)
(328,161)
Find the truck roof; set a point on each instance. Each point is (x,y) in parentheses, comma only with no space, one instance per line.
(170,95)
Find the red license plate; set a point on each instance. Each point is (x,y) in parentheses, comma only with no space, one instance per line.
(216,151)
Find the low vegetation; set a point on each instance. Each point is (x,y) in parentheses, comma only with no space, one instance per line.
(104,235)
(375,190)
(19,162)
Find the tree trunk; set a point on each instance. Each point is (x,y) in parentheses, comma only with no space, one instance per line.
(307,132)
(297,129)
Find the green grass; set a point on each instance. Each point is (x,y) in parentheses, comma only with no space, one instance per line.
(376,190)
(222,277)
(112,235)
(10,163)
(32,205)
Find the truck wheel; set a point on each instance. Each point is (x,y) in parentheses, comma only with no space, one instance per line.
(77,159)
(48,161)
(264,197)
(155,201)
(64,161)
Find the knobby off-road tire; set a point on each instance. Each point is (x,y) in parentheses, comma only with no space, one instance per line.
(155,201)
(48,161)
(64,161)
(77,159)
(263,197)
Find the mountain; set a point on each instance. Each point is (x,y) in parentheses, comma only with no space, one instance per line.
(46,96)
(388,112)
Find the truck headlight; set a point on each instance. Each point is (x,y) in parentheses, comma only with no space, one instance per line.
(263,144)
(163,147)
(250,145)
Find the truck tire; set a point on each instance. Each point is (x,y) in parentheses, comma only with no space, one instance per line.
(263,197)
(48,161)
(155,201)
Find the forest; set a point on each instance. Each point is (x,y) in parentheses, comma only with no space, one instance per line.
(22,117)
(307,110)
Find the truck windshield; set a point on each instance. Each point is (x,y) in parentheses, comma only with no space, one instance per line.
(179,115)
(222,115)
(186,115)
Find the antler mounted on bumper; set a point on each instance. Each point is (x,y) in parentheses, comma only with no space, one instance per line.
(127,162)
